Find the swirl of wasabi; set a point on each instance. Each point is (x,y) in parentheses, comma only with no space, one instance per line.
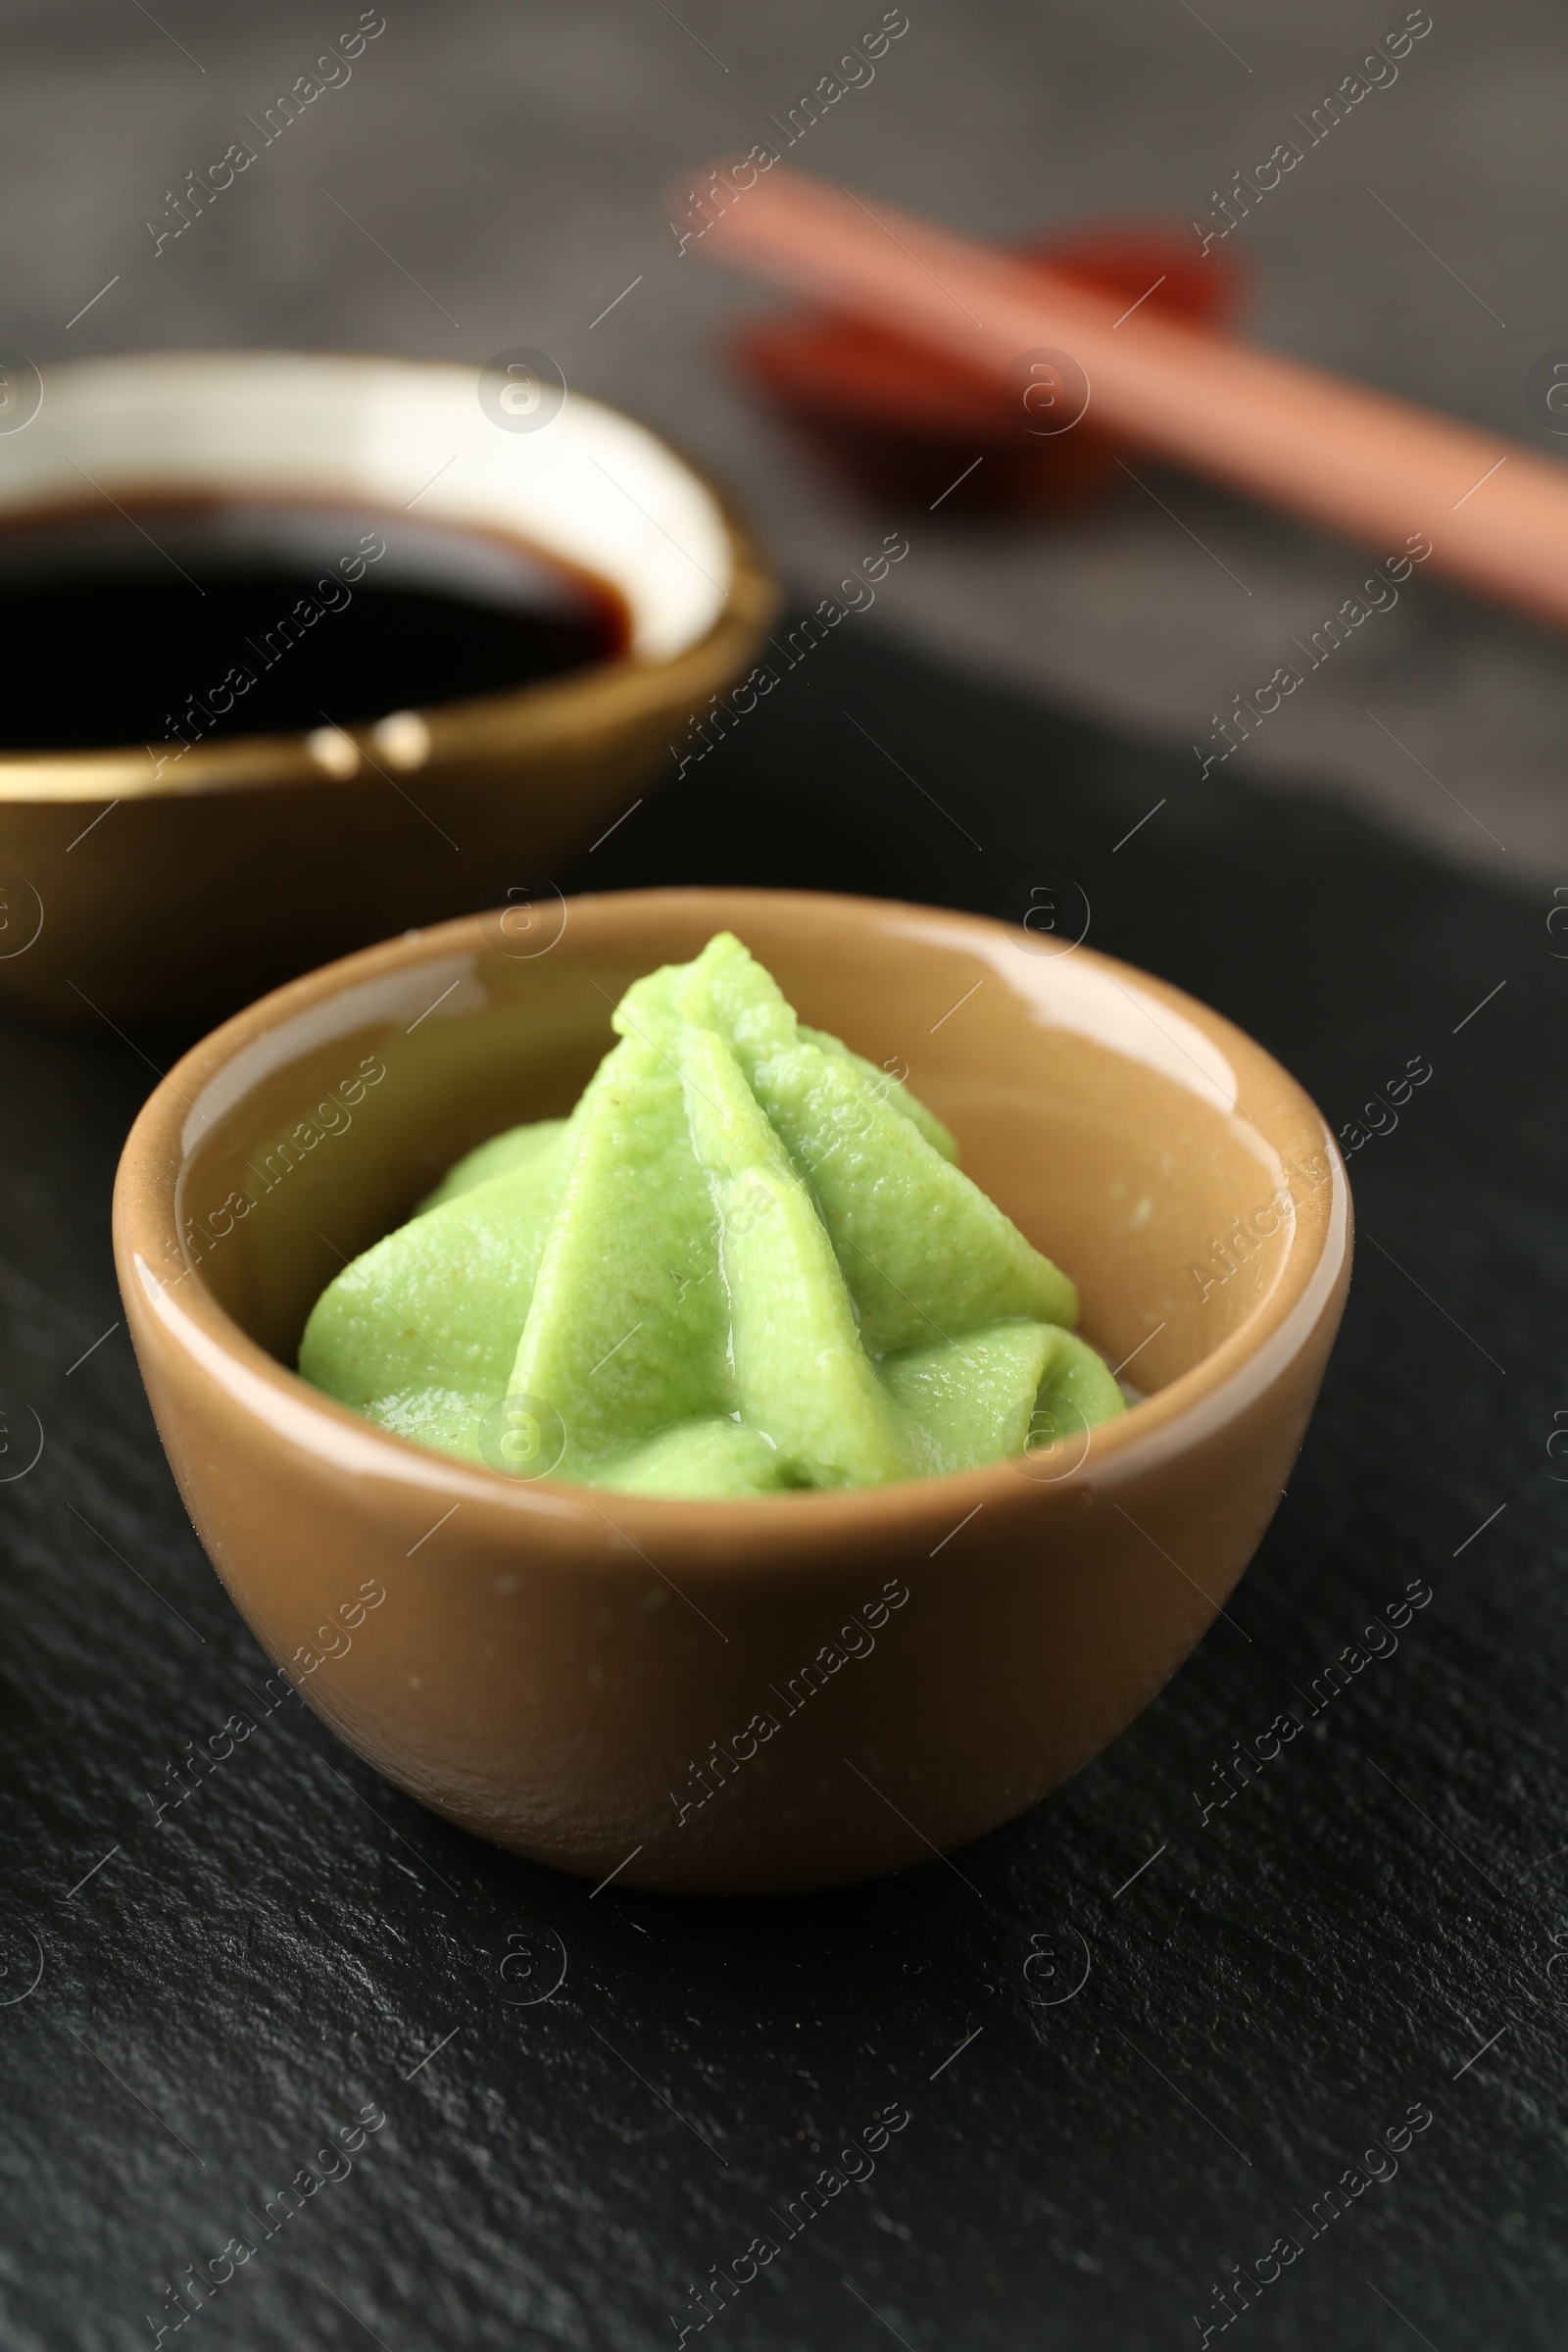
(747,1262)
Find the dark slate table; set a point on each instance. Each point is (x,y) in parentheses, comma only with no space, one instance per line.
(1138,2043)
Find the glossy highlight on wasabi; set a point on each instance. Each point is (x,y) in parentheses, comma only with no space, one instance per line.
(748,1262)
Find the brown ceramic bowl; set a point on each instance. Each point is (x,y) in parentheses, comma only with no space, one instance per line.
(141,880)
(589,1679)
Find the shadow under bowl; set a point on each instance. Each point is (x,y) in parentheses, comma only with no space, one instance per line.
(785,1692)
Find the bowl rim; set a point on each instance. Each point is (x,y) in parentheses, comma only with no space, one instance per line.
(553,707)
(742,1533)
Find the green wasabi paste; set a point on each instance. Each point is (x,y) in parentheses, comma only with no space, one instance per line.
(747,1262)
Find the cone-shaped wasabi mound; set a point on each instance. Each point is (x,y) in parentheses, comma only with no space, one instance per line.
(747,1262)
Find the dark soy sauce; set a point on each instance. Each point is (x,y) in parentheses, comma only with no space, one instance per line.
(144,625)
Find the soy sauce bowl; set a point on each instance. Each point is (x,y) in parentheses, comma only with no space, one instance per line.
(796,1690)
(157,879)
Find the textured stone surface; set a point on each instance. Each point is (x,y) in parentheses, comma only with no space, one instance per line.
(1265,1990)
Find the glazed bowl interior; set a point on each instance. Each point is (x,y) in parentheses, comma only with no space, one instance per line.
(1127,1138)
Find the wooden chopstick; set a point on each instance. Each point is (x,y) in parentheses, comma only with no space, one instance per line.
(1378,470)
